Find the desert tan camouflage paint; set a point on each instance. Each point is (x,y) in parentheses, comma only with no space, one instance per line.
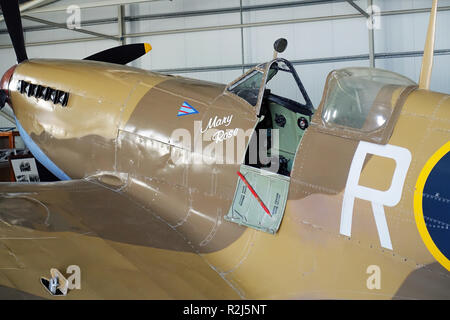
(141,226)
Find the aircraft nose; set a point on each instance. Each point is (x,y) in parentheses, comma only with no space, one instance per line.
(4,85)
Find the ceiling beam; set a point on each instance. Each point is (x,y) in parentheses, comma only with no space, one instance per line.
(87,5)
(31,5)
(196,13)
(235,26)
(359,9)
(63,26)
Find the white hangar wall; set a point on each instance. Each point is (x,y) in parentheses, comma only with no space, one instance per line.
(336,37)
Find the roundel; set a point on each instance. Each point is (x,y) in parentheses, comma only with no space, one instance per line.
(432,205)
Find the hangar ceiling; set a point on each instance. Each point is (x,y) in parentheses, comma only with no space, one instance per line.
(52,6)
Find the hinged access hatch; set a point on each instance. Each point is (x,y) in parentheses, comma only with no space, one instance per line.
(272,189)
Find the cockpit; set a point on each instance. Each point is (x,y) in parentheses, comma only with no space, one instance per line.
(282,106)
(358,103)
(280,81)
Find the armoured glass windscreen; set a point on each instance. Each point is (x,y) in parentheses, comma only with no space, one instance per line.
(282,83)
(248,87)
(362,98)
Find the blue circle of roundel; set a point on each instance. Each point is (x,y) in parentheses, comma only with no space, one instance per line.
(436,205)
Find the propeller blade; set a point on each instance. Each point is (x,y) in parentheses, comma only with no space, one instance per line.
(121,54)
(3,98)
(11,14)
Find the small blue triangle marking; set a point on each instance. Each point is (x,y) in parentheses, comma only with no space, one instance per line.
(186,109)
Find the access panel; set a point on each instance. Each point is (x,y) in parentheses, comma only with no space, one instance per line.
(271,189)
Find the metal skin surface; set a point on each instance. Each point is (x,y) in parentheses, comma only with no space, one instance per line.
(141,226)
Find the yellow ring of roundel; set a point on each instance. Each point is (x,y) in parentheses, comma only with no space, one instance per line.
(418,209)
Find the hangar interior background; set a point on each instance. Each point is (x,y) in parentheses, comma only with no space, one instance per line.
(218,40)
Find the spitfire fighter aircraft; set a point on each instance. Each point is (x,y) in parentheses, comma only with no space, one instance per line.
(176,188)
